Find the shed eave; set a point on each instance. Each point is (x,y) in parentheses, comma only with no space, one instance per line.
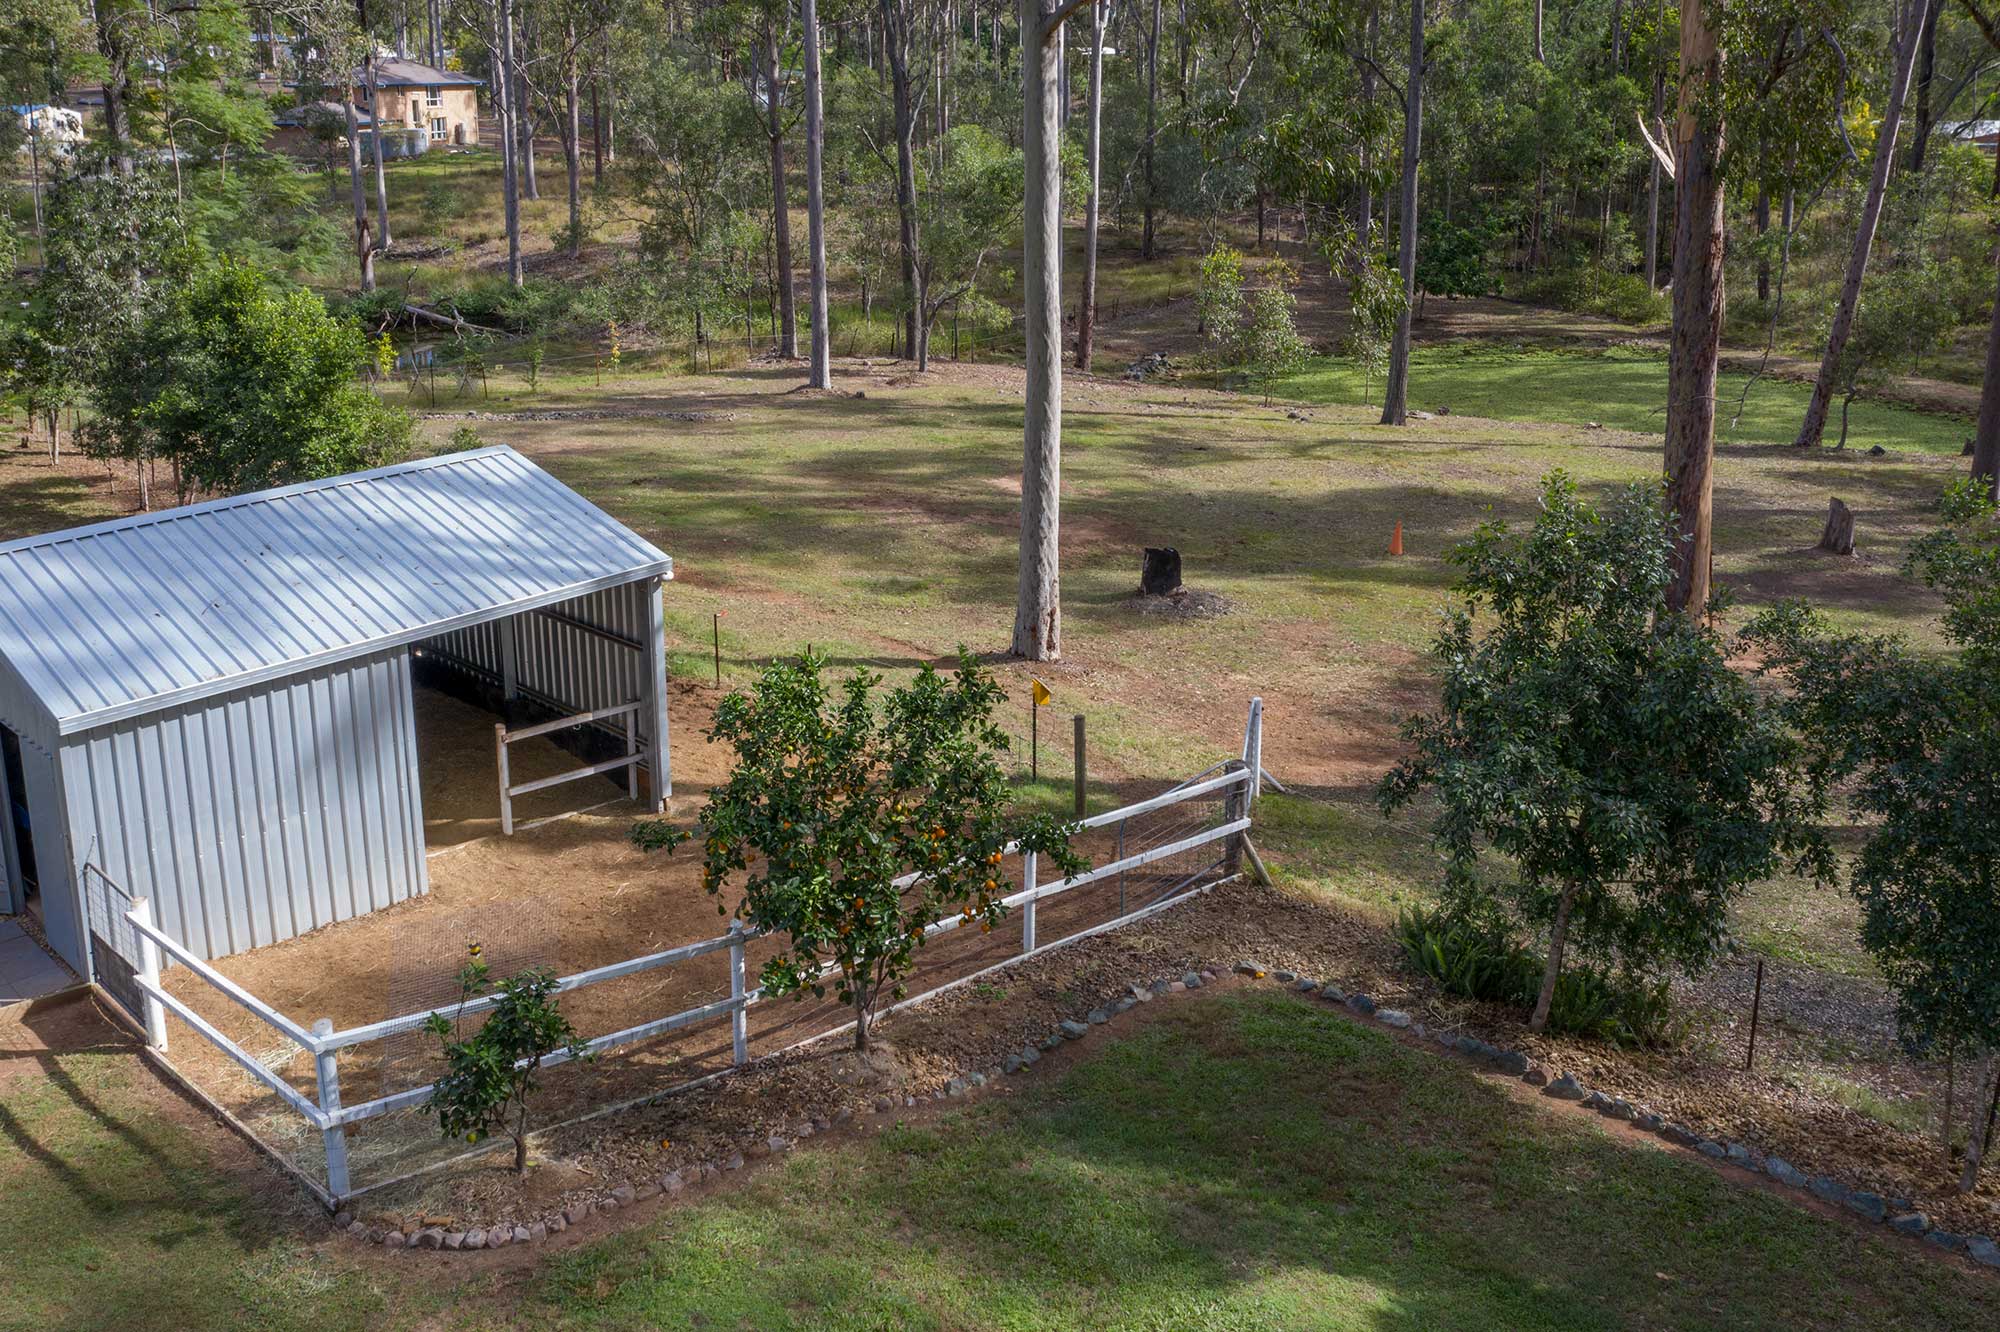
(663,568)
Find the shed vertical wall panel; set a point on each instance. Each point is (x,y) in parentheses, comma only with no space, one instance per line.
(253,817)
(561,665)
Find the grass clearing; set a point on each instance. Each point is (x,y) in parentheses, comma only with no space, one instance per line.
(1621,388)
(1243,1162)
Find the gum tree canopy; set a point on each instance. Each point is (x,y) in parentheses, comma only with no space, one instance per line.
(1631,783)
(837,797)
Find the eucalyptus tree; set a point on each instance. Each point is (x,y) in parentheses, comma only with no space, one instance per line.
(821,374)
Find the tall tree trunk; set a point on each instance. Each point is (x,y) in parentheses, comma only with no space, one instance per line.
(1364,203)
(1538,33)
(781,208)
(596,136)
(1148,242)
(1986,434)
(1909,27)
(822,354)
(1653,177)
(1763,215)
(114,45)
(1920,132)
(1038,608)
(383,239)
(524,136)
(1695,350)
(1086,315)
(1395,397)
(503,98)
(1552,969)
(572,137)
(1981,1136)
(896,45)
(364,245)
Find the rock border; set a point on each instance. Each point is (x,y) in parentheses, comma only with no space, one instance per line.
(1898,1214)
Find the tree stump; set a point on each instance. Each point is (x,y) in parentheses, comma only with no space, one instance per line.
(1839,534)
(1160,576)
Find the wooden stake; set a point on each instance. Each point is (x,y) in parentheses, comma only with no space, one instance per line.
(1081,779)
(1756,1003)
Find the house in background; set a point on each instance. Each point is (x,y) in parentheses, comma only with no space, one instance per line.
(413,96)
(314,128)
(1981,134)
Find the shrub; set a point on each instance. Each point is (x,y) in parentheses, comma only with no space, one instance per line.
(1218,298)
(1478,960)
(1597,290)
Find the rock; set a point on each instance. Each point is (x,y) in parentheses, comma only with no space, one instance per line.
(475,1239)
(395,1239)
(1284,977)
(1827,1189)
(1333,993)
(1140,993)
(1073,1030)
(650,1189)
(883,1105)
(1513,1061)
(522,1234)
(499,1237)
(1680,1135)
(671,1182)
(538,1232)
(842,1115)
(1597,1101)
(956,1087)
(821,1123)
(1982,1250)
(624,1194)
(1012,1063)
(1419,1031)
(1175,987)
(1712,1149)
(1535,1075)
(1650,1122)
(976,1079)
(1877,451)
(1740,1155)
(1125,1005)
(1468,1045)
(1778,1168)
(342,1219)
(1619,1109)
(1246,969)
(1947,1240)
(356,1230)
(1207,976)
(1052,1040)
(1394,1017)
(1910,1223)
(1593,425)
(1192,980)
(1160,987)
(1565,1088)
(1361,1004)
(807,1129)
(454,1239)
(1097,1017)
(1030,1055)
(735,1161)
(1305,985)
(430,1237)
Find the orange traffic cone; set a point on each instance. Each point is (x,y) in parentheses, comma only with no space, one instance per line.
(1396,541)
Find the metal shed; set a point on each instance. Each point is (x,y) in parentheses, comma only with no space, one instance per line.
(212,706)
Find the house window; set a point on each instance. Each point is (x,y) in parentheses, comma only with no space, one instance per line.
(433,96)
(438,131)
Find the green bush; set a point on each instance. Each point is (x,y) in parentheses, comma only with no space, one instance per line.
(1479,960)
(1593,289)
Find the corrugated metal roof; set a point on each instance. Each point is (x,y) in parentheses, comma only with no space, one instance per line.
(122,618)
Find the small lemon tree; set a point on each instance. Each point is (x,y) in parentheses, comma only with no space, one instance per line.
(836,796)
(490,1075)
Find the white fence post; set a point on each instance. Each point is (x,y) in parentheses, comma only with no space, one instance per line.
(1028,907)
(326,1064)
(739,1013)
(149,974)
(1253,750)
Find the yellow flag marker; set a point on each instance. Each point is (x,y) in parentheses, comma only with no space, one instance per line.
(1042,695)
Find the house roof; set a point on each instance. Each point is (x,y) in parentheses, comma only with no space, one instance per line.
(394,73)
(124,618)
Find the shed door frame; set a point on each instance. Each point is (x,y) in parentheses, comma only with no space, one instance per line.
(13,883)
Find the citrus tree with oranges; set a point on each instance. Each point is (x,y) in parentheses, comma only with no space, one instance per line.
(855,820)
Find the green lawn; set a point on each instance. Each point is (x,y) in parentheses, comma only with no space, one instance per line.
(1623,388)
(1252,1162)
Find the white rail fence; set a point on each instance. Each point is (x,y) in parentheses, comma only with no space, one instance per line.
(1237,784)
(504,736)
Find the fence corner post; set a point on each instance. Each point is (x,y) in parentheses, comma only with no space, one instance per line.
(739,1013)
(1235,807)
(506,781)
(326,1065)
(1028,872)
(141,916)
(1253,750)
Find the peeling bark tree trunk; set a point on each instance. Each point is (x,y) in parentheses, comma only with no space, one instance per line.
(1695,349)
(821,375)
(382,239)
(1086,315)
(1908,27)
(781,209)
(1920,135)
(1552,970)
(1763,260)
(572,137)
(1653,177)
(1982,1126)
(1395,397)
(1038,606)
(503,96)
(364,246)
(896,45)
(1986,434)
(1148,242)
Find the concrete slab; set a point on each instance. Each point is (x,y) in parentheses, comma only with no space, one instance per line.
(27,970)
